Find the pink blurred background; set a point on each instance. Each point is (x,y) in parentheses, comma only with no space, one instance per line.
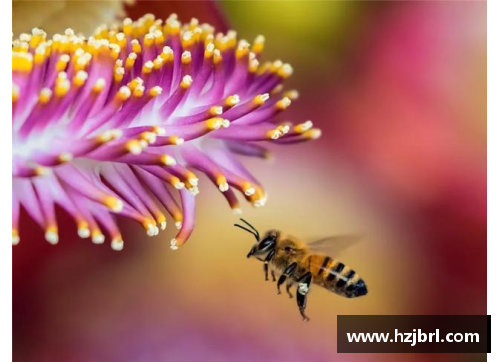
(399,89)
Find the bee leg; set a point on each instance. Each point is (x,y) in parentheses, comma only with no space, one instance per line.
(266,264)
(288,271)
(288,286)
(302,289)
(273,275)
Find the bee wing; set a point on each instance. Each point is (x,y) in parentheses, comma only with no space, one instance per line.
(334,245)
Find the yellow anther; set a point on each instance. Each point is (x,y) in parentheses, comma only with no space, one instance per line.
(167,54)
(215,111)
(292,94)
(80,78)
(62,62)
(283,103)
(15,92)
(136,46)
(285,71)
(167,160)
(130,61)
(147,67)
(22,62)
(217,57)
(175,140)
(214,123)
(155,91)
(186,58)
(45,95)
(123,93)
(209,50)
(258,44)
(233,100)
(134,147)
(187,80)
(313,133)
(99,85)
(138,91)
(261,99)
(243,49)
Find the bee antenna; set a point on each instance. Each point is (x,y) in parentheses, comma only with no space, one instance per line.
(250,231)
(251,226)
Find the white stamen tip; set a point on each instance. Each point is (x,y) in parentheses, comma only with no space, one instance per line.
(151,230)
(226,123)
(15,240)
(52,237)
(83,233)
(178,224)
(179,185)
(173,244)
(193,181)
(194,190)
(117,244)
(179,141)
(98,239)
(250,191)
(237,211)
(163,225)
(224,187)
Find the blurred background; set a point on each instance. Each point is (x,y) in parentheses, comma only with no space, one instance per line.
(399,90)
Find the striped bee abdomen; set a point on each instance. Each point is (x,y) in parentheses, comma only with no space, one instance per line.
(336,276)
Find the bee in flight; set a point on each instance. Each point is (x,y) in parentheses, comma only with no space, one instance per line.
(303,263)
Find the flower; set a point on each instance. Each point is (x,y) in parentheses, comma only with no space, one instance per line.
(103,125)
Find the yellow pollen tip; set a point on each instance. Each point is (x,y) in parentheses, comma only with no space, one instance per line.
(155,91)
(274,134)
(149,137)
(285,71)
(45,95)
(258,44)
(175,140)
(134,147)
(15,92)
(261,99)
(187,80)
(15,237)
(284,103)
(292,94)
(99,85)
(113,203)
(215,111)
(233,100)
(168,160)
(214,123)
(221,182)
(313,133)
(159,130)
(41,170)
(186,57)
(65,157)
(123,93)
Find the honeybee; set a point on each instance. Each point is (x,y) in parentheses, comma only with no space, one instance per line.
(305,263)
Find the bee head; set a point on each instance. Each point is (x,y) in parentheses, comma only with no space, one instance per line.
(262,248)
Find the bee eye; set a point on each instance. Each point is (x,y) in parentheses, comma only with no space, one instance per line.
(288,249)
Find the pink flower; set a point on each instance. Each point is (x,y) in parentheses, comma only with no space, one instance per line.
(115,124)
